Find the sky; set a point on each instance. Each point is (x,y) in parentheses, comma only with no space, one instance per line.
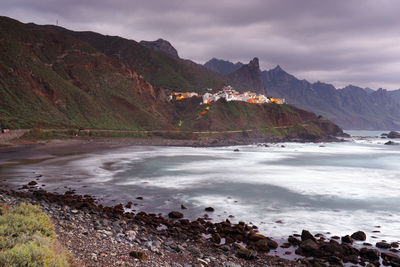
(340,42)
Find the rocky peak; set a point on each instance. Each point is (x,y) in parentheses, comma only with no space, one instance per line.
(248,77)
(162,46)
(254,63)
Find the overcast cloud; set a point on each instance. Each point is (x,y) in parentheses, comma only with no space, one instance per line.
(339,42)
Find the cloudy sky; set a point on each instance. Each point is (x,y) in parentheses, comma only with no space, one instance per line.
(340,42)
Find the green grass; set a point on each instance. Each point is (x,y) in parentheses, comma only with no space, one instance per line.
(27,238)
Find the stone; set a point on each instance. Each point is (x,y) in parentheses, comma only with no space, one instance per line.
(393,135)
(175,215)
(271,243)
(32,183)
(360,236)
(389,256)
(370,254)
(138,255)
(391,143)
(246,253)
(309,245)
(294,241)
(183,207)
(236,150)
(383,245)
(210,209)
(262,245)
(256,237)
(307,235)
(202,262)
(347,239)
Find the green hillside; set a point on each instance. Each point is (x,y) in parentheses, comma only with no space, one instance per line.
(52,80)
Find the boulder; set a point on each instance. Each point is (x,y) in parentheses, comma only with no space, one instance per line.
(246,253)
(391,143)
(389,256)
(262,245)
(307,235)
(256,237)
(360,236)
(394,245)
(370,254)
(347,239)
(383,245)
(393,135)
(294,241)
(309,245)
(175,215)
(271,243)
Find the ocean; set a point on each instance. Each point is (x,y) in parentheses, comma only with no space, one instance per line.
(283,188)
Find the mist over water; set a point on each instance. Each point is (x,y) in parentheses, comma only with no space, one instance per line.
(334,187)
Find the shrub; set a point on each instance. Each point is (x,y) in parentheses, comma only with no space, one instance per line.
(27,238)
(21,223)
(38,252)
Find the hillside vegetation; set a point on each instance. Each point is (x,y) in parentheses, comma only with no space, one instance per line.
(52,80)
(27,238)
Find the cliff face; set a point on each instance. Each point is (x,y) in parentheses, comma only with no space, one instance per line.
(248,78)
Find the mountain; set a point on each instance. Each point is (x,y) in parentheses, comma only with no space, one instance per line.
(162,46)
(369,90)
(394,94)
(351,107)
(222,66)
(51,77)
(248,78)
(158,68)
(52,80)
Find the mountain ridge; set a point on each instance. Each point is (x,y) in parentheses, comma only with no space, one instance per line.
(351,107)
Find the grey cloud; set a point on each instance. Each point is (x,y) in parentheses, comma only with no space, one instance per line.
(340,42)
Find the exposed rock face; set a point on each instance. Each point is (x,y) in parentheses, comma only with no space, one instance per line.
(162,46)
(222,66)
(248,78)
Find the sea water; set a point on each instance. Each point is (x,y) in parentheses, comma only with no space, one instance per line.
(282,188)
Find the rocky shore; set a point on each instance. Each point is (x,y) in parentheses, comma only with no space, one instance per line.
(109,236)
